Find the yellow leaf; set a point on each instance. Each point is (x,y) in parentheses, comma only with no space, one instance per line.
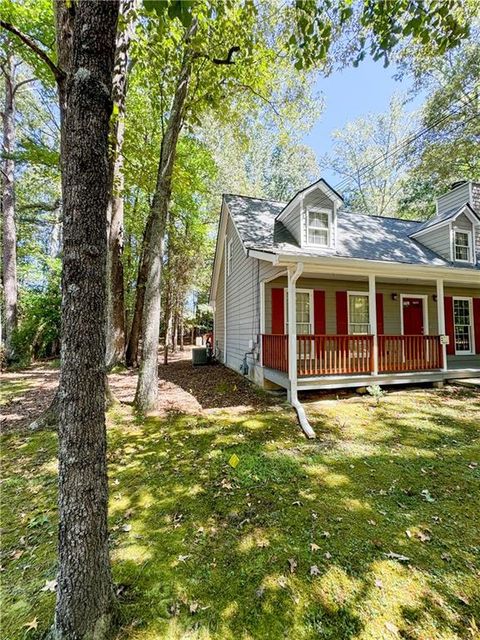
(33,624)
(234,460)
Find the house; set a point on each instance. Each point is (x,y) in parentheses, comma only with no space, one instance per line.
(309,295)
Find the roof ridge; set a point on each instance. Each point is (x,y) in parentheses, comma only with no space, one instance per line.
(240,195)
(373,215)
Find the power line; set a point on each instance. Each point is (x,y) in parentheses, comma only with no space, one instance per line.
(405,143)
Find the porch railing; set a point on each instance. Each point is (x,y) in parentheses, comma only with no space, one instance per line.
(344,354)
(409,353)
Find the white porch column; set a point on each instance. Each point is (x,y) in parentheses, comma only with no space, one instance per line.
(293,275)
(441,320)
(372,312)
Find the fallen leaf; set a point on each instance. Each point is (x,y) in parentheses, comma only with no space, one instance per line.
(464,599)
(396,556)
(126,527)
(426,495)
(379,584)
(372,523)
(391,627)
(282,582)
(446,557)
(326,534)
(423,537)
(33,624)
(314,570)
(260,592)
(328,555)
(18,553)
(183,558)
(50,585)
(293,564)
(314,547)
(408,533)
(234,460)
(193,607)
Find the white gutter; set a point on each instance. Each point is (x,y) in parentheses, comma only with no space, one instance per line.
(292,350)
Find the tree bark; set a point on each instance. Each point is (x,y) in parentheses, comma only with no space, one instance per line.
(86,48)
(132,353)
(115,290)
(147,387)
(10,290)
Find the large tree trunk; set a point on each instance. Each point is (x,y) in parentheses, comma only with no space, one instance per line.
(115,291)
(147,387)
(8,209)
(86,43)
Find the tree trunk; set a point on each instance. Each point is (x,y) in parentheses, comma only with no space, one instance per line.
(132,354)
(8,209)
(181,332)
(86,47)
(115,290)
(147,387)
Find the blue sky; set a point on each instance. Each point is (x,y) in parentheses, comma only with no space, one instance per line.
(352,93)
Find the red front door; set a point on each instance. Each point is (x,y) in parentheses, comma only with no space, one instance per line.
(413,316)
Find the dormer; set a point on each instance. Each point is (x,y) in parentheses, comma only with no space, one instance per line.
(454,233)
(311,216)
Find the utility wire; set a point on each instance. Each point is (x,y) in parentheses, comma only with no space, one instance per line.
(405,143)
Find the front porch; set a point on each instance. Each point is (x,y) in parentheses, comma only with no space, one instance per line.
(391,331)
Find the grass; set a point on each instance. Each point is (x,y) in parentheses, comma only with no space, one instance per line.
(296,542)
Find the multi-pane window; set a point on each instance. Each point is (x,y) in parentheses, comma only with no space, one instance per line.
(358,314)
(462,246)
(318,228)
(303,312)
(463,325)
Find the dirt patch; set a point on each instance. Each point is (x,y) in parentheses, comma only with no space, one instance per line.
(182,387)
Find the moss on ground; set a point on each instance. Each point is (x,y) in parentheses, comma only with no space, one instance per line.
(298,541)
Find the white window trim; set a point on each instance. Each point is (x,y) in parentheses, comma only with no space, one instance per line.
(230,257)
(285,305)
(472,330)
(309,210)
(424,297)
(470,245)
(366,294)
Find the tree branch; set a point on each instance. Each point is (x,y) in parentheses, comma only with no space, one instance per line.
(20,84)
(57,72)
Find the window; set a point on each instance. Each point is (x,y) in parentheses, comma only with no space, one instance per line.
(229,257)
(462,246)
(318,227)
(462,317)
(358,313)
(304,311)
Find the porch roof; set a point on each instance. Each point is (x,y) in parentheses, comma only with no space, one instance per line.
(359,236)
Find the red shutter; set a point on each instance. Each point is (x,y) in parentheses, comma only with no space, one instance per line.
(476,323)
(342,313)
(380,327)
(319,312)
(449,325)
(278,311)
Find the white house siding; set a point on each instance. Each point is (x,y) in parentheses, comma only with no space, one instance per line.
(243,303)
(475,196)
(454,198)
(294,222)
(219,318)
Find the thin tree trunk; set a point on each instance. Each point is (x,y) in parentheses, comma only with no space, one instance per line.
(147,386)
(132,353)
(86,48)
(181,332)
(115,291)
(10,291)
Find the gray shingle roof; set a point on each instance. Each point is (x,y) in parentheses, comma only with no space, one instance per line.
(445,215)
(358,235)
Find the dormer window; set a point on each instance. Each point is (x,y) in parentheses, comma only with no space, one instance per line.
(463,246)
(318,227)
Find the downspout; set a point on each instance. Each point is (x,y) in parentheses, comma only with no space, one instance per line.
(292,350)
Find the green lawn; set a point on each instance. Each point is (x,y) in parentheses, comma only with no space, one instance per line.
(297,542)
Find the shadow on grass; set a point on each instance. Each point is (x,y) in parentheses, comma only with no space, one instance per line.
(297,540)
